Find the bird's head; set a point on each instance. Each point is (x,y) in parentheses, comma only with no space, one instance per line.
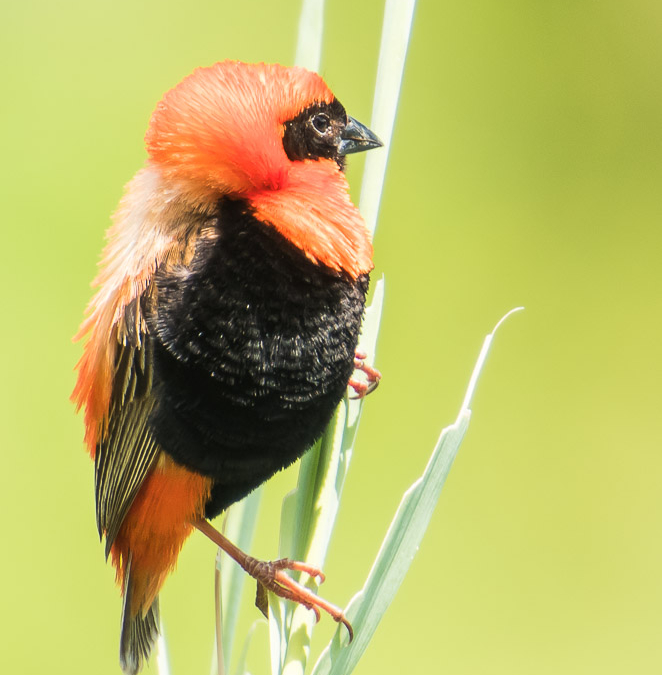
(236,128)
(275,137)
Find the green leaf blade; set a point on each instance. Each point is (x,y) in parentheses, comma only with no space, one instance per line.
(239,527)
(402,539)
(311,30)
(395,556)
(396,31)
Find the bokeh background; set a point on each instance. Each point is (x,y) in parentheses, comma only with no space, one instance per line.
(525,170)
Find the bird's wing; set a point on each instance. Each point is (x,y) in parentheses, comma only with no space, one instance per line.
(126,448)
(114,382)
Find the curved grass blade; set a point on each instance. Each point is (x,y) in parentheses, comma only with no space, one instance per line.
(402,540)
(311,30)
(396,30)
(239,527)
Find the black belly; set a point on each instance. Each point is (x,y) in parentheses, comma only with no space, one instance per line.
(253,348)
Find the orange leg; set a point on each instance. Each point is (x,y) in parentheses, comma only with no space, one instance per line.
(272,576)
(373,376)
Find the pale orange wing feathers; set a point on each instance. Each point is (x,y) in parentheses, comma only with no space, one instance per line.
(151,227)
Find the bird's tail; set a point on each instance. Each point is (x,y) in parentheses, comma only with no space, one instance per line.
(145,551)
(140,629)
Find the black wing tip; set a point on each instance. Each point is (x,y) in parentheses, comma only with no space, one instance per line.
(138,637)
(139,633)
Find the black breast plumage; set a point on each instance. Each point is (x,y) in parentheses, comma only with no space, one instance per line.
(253,348)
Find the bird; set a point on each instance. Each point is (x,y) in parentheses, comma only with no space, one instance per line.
(223,332)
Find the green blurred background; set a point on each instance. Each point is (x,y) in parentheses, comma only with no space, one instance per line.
(525,170)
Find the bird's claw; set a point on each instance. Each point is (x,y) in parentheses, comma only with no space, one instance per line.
(360,387)
(271,576)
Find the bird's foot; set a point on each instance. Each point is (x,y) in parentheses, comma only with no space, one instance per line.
(363,388)
(271,576)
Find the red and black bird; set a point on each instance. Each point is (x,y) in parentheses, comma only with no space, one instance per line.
(223,332)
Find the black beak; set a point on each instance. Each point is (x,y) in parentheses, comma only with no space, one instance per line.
(356,138)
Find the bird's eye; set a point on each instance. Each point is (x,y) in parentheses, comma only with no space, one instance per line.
(321,122)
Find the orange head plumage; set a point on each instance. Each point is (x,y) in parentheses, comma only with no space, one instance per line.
(220,132)
(221,128)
